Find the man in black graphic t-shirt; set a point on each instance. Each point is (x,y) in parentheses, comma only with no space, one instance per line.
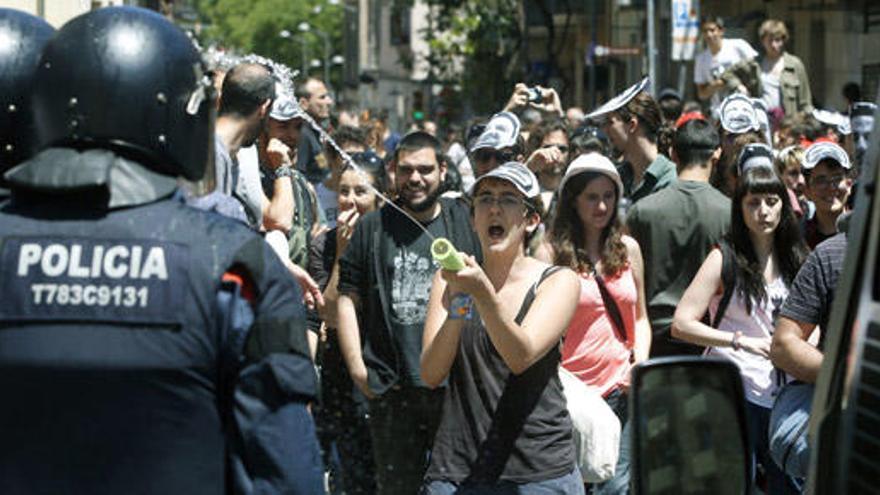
(385,277)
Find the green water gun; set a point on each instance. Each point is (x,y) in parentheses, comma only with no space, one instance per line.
(461,305)
(444,253)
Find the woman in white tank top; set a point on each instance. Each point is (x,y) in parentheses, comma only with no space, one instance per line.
(767,250)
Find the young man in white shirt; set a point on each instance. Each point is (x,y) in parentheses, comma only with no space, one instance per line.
(719,55)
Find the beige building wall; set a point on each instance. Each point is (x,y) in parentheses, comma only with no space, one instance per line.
(395,83)
(57,12)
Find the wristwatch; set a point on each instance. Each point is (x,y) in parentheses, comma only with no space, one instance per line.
(283,171)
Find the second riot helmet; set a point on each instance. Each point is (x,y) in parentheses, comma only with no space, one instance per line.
(127,79)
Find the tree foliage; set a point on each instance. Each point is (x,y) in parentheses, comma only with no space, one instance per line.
(477,45)
(253,26)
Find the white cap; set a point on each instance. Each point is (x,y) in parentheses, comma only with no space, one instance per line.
(834,119)
(738,114)
(285,106)
(754,155)
(825,150)
(619,100)
(593,162)
(517,174)
(501,132)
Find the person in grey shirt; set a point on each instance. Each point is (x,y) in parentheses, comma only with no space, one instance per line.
(677,227)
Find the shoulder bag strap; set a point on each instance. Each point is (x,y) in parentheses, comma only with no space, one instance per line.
(610,306)
(530,295)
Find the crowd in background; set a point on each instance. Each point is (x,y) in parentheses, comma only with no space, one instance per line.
(665,209)
(650,226)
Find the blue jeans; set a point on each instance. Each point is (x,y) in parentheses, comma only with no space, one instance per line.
(619,484)
(788,428)
(758,422)
(569,484)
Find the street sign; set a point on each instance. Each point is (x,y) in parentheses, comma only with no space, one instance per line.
(685,28)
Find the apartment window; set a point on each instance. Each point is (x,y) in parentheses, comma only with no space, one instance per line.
(400,25)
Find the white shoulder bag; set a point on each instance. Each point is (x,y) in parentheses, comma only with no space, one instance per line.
(596,429)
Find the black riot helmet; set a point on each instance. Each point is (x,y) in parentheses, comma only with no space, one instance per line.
(127,79)
(22,38)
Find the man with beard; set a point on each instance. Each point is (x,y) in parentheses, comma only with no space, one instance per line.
(248,91)
(381,313)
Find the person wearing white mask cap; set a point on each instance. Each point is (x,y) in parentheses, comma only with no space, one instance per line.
(827,170)
(498,143)
(632,120)
(861,119)
(269,165)
(741,126)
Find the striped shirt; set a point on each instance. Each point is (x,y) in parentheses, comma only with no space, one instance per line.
(812,292)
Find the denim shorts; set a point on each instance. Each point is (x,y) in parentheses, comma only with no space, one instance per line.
(569,484)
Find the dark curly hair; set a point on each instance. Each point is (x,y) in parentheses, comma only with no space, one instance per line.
(788,243)
(567,234)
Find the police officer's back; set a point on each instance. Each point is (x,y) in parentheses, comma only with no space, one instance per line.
(129,319)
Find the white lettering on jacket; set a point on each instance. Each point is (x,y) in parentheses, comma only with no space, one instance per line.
(118,261)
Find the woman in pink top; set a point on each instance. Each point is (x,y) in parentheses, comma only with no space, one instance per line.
(604,338)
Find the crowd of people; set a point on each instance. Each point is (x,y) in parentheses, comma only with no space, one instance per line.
(647,227)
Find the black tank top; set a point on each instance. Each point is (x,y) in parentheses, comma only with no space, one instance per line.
(500,426)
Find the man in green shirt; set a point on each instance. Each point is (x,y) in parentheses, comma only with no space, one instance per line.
(677,227)
(631,120)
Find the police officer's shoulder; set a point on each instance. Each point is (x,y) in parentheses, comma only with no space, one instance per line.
(229,229)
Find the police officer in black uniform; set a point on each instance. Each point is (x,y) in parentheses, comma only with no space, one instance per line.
(23,38)
(145,346)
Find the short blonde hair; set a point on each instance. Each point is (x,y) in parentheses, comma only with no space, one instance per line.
(774,28)
(788,157)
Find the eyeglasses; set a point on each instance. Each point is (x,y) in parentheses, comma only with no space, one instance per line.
(507,202)
(501,156)
(823,181)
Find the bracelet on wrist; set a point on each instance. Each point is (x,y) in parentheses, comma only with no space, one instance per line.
(734,342)
(461,307)
(283,171)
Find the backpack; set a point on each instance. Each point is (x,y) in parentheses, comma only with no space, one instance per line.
(304,207)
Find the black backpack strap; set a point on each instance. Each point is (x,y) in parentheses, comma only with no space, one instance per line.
(611,306)
(728,280)
(530,295)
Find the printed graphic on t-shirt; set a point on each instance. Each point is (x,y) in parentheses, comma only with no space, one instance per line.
(411,286)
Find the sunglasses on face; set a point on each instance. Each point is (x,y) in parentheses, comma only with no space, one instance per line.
(501,156)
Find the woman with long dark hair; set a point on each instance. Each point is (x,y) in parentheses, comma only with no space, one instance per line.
(610,330)
(767,250)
